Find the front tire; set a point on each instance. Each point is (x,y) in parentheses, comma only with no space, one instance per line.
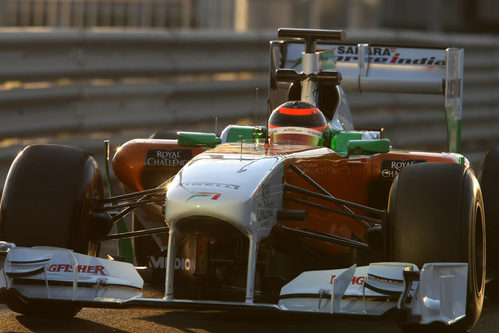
(49,198)
(436,215)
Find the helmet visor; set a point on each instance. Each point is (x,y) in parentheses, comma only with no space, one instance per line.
(295,136)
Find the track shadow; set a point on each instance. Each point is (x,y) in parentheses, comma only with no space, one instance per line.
(244,321)
(51,324)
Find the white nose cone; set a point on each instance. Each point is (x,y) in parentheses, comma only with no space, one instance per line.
(242,190)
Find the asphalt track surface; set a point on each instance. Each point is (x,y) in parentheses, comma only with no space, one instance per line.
(206,321)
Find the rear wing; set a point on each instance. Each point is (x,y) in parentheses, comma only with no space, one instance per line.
(392,69)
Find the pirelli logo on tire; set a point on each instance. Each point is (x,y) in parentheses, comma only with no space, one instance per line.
(391,168)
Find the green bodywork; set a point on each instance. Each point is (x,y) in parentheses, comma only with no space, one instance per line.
(195,139)
(453,130)
(344,143)
(368,147)
(235,134)
(246,133)
(351,143)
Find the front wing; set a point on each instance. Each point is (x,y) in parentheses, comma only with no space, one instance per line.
(436,293)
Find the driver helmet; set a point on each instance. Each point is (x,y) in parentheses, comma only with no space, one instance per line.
(297,123)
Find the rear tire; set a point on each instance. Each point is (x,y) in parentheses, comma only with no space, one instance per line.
(48,199)
(436,215)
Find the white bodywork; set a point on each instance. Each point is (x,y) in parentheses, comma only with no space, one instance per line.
(439,295)
(243,190)
(240,189)
(58,274)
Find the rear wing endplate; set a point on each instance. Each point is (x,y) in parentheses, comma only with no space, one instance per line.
(392,69)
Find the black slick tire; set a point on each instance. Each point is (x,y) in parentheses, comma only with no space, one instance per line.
(436,215)
(49,198)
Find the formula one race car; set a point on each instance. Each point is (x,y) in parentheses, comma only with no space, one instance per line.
(305,214)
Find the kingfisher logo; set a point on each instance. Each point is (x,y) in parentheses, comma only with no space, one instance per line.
(212,195)
(89,269)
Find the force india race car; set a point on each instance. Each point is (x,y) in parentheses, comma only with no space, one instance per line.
(306,214)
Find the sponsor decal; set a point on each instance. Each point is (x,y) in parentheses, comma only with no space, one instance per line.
(212,195)
(295,130)
(168,158)
(326,169)
(229,186)
(387,55)
(265,205)
(379,55)
(184,264)
(391,168)
(88,269)
(356,280)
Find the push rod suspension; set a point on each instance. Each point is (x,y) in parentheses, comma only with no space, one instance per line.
(132,204)
(297,189)
(139,233)
(128,196)
(328,238)
(293,167)
(129,209)
(329,209)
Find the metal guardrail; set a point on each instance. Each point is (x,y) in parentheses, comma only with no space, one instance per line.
(44,54)
(54,82)
(110,80)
